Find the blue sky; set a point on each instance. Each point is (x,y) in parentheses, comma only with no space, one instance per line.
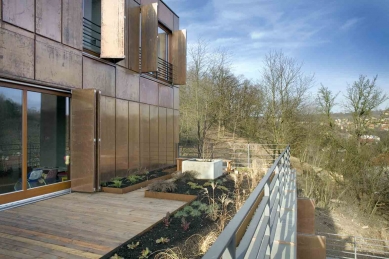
(337,40)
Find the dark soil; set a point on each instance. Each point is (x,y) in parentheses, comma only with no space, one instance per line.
(144,177)
(186,241)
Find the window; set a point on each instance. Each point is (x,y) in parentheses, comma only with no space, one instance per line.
(164,68)
(92,25)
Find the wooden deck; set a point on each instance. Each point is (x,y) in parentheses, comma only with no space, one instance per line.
(78,225)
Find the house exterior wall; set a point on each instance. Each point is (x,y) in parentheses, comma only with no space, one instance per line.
(41,43)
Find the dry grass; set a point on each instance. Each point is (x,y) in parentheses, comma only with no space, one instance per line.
(171,253)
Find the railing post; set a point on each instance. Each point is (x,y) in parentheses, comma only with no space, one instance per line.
(230,252)
(266,213)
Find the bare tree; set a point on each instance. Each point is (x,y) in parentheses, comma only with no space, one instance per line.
(326,102)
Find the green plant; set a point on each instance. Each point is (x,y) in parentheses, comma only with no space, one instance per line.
(167,220)
(116,183)
(162,240)
(188,209)
(195,213)
(116,178)
(180,214)
(134,178)
(116,257)
(223,188)
(103,184)
(203,207)
(194,185)
(145,253)
(132,246)
(162,186)
(196,203)
(184,224)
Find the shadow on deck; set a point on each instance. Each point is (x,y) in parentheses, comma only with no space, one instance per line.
(78,225)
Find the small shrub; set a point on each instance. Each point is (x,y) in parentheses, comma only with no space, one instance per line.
(145,253)
(195,213)
(203,207)
(133,245)
(187,176)
(116,178)
(103,184)
(196,203)
(167,220)
(162,240)
(180,214)
(116,184)
(188,209)
(223,188)
(134,178)
(184,224)
(162,186)
(194,185)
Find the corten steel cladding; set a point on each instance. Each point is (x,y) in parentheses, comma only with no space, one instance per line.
(165,15)
(48,19)
(82,141)
(72,26)
(170,159)
(107,135)
(149,37)
(112,29)
(162,136)
(98,75)
(154,136)
(179,57)
(121,137)
(133,136)
(133,27)
(19,13)
(127,84)
(145,135)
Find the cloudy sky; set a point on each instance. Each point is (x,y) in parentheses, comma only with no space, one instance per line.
(337,40)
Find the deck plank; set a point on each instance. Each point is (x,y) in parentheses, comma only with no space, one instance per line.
(78,225)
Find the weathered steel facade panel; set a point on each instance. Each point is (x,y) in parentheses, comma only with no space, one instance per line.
(127,84)
(149,37)
(162,136)
(108,140)
(72,23)
(48,19)
(176,136)
(176,98)
(170,159)
(133,27)
(59,64)
(179,57)
(20,13)
(165,16)
(165,96)
(121,137)
(133,136)
(99,76)
(144,135)
(148,91)
(20,62)
(154,136)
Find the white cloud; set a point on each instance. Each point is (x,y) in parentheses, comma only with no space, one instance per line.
(349,24)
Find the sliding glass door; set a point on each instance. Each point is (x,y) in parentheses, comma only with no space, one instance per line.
(34,142)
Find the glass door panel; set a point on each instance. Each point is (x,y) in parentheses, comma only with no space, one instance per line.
(47,139)
(10,139)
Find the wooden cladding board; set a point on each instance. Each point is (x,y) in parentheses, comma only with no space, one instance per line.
(82,136)
(154,137)
(107,135)
(121,137)
(59,64)
(165,96)
(133,27)
(145,135)
(72,23)
(162,136)
(148,91)
(20,13)
(133,136)
(99,75)
(48,18)
(20,62)
(112,29)
(170,159)
(149,37)
(179,57)
(127,84)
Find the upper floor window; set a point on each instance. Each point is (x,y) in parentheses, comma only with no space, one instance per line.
(164,68)
(92,25)
(163,44)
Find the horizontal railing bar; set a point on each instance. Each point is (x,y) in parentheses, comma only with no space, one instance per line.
(84,19)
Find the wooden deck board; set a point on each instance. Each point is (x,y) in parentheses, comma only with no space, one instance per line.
(78,225)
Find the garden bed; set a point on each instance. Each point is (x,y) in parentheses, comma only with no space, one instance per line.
(132,183)
(185,232)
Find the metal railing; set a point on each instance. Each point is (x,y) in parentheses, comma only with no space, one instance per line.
(344,246)
(257,241)
(164,69)
(91,33)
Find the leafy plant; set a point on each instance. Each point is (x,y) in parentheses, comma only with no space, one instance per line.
(188,209)
(203,207)
(162,240)
(195,213)
(132,246)
(134,178)
(194,185)
(167,220)
(162,186)
(116,183)
(180,214)
(196,203)
(103,184)
(184,224)
(145,253)
(223,188)
(116,178)
(116,257)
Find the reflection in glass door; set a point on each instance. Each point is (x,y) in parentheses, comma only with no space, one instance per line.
(11,101)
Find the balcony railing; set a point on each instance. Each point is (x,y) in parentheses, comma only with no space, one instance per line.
(91,36)
(268,219)
(164,69)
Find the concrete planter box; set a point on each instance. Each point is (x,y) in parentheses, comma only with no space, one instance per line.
(135,186)
(207,169)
